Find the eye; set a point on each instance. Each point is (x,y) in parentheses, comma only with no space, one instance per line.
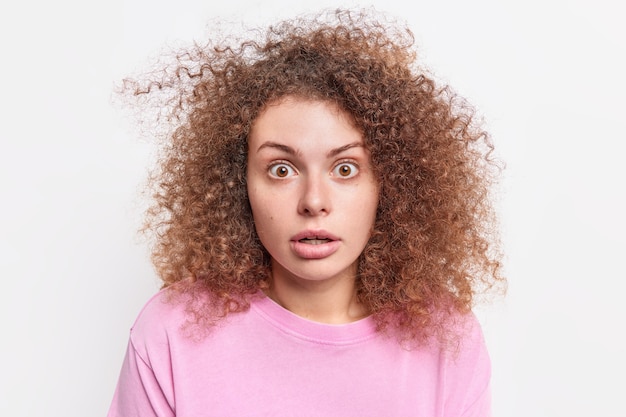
(345,170)
(281,170)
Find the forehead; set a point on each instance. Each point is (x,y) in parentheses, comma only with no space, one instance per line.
(295,119)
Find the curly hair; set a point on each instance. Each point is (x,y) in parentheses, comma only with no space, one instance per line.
(434,245)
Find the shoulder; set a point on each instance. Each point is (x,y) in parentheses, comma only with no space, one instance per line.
(461,343)
(468,368)
(468,330)
(182,321)
(161,320)
(159,312)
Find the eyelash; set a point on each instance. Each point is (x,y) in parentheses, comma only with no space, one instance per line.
(277,164)
(354,166)
(274,166)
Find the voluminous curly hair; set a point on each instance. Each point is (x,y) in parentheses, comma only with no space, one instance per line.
(434,245)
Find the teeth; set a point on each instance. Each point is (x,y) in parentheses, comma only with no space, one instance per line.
(315,241)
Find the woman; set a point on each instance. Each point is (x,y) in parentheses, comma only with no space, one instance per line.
(322,227)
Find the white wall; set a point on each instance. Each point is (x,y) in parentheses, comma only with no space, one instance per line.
(548,77)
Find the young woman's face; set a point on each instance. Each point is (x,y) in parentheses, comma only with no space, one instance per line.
(312,190)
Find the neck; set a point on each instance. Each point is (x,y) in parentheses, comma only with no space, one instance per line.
(331,301)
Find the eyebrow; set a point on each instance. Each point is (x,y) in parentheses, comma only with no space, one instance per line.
(337,151)
(274,145)
(291,151)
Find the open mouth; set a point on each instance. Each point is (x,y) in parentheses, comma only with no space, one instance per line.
(314,241)
(315,244)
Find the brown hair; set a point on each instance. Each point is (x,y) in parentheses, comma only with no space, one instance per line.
(433,246)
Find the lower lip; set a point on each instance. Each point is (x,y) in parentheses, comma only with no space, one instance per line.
(309,251)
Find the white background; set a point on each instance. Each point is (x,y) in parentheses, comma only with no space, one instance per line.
(547,75)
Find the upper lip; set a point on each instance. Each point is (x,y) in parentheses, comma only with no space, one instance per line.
(314,234)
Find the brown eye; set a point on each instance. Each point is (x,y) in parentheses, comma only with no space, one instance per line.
(281,170)
(345,170)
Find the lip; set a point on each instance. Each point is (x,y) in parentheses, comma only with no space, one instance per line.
(317,250)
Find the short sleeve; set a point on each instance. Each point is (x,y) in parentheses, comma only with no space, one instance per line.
(470,374)
(481,407)
(138,392)
(145,386)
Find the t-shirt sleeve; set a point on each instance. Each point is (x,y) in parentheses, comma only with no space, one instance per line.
(478,372)
(481,406)
(138,392)
(145,386)
(470,375)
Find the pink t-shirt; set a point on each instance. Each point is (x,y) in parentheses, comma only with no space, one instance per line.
(269,362)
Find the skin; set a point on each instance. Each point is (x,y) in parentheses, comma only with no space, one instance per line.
(314,199)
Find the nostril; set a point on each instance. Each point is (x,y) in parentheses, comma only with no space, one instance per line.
(314,199)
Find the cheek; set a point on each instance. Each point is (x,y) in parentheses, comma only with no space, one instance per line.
(255,195)
(370,202)
(369,218)
(262,212)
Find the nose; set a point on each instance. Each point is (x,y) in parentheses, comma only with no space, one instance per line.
(314,197)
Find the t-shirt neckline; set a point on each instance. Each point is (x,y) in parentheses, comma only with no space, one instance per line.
(312,331)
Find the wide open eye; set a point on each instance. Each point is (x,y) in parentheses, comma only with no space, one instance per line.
(281,170)
(345,170)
